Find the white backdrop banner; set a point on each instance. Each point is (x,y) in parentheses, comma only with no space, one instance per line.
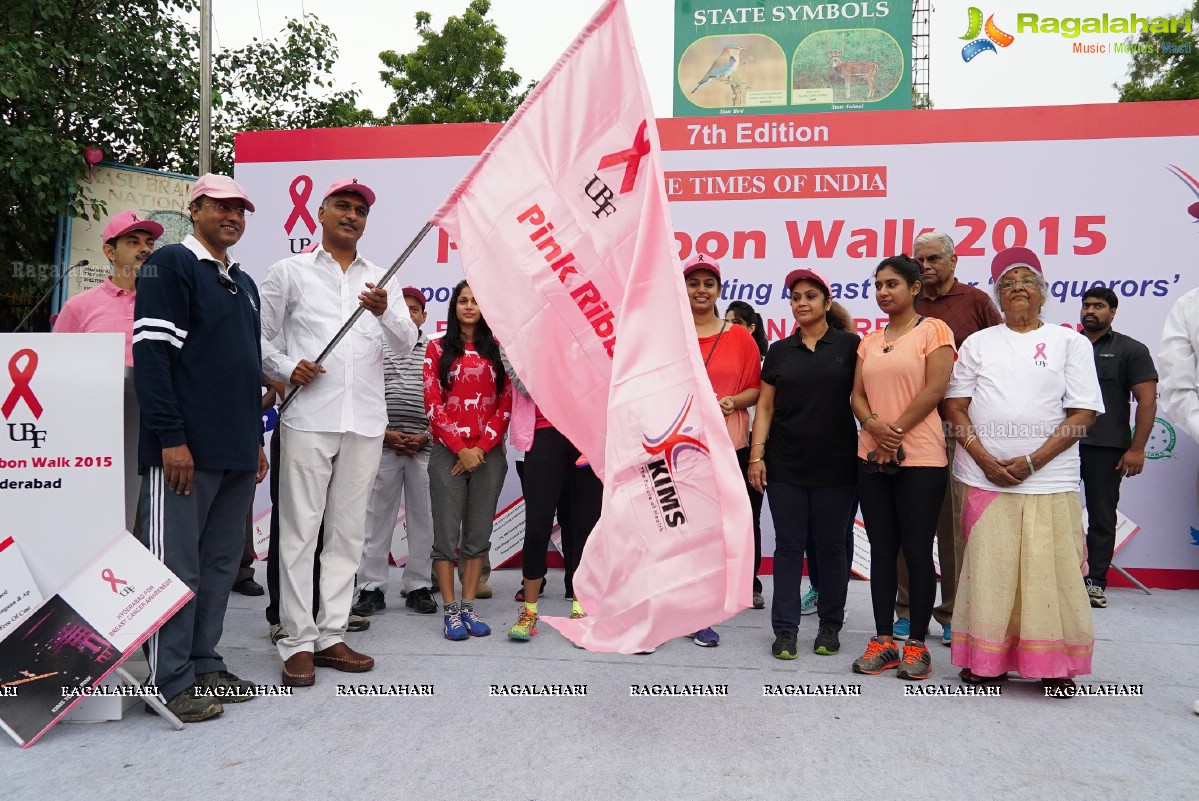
(1094,190)
(62,485)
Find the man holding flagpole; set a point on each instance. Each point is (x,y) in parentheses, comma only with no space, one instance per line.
(334,437)
(566,240)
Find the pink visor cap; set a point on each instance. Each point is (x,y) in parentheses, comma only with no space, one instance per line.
(1010,259)
(351,185)
(701,261)
(121,224)
(804,274)
(220,187)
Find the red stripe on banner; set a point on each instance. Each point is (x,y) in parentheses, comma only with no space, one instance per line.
(332,144)
(5,544)
(1038,123)
(1156,578)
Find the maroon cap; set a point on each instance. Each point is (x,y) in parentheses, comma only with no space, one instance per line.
(220,187)
(701,261)
(1010,259)
(415,294)
(803,274)
(121,224)
(351,185)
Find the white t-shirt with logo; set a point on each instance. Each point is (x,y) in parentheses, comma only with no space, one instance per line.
(1020,386)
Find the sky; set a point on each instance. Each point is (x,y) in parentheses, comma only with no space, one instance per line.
(1036,69)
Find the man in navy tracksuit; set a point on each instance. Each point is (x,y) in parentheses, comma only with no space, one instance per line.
(197,367)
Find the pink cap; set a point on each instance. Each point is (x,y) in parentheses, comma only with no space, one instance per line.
(352,185)
(121,224)
(701,261)
(415,294)
(803,274)
(1010,259)
(220,187)
(1193,210)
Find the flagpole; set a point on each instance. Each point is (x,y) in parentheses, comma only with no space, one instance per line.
(358,312)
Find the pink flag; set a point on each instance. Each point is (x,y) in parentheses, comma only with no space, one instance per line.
(566,240)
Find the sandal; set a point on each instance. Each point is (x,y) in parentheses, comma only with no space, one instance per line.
(970,677)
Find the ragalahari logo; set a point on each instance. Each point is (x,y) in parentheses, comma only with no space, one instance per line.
(994,36)
(1191,184)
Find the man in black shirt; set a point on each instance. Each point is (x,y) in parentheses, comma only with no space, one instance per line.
(1109,451)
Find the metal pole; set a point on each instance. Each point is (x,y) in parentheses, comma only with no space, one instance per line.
(205,86)
(345,329)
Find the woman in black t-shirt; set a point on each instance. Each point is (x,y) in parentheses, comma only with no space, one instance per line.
(804,415)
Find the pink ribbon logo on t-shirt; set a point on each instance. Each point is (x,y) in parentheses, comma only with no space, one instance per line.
(1039,357)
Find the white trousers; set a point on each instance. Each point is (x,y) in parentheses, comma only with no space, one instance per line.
(325,477)
(408,475)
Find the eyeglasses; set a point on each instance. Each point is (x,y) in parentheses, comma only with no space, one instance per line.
(1023,282)
(225,209)
(227,282)
(887,468)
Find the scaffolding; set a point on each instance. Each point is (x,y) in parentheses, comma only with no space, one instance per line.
(921,21)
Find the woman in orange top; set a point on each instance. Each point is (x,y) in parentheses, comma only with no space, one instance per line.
(734,367)
(902,373)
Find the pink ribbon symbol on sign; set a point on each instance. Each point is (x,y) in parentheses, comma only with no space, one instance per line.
(108,576)
(300,191)
(1040,354)
(21,391)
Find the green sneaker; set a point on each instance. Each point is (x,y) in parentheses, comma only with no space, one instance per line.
(191,708)
(224,687)
(784,646)
(807,604)
(526,626)
(917,662)
(827,642)
(879,656)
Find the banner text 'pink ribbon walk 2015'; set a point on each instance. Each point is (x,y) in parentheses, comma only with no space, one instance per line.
(566,241)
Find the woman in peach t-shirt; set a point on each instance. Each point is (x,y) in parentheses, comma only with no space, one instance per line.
(902,373)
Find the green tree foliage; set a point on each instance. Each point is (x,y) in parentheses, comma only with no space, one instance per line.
(116,75)
(455,75)
(280,84)
(123,77)
(1165,66)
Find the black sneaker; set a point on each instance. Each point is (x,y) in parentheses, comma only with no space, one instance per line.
(827,642)
(369,602)
(784,646)
(192,708)
(421,600)
(224,687)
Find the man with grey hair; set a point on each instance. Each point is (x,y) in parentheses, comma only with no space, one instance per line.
(965,309)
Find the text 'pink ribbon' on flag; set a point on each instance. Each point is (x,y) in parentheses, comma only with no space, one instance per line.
(565,238)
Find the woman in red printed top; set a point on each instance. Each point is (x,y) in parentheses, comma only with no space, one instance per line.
(469,403)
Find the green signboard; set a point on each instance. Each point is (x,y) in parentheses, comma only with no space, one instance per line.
(791,56)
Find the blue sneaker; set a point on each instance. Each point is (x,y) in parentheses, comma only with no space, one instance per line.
(807,604)
(454,630)
(902,628)
(705,638)
(474,626)
(947,635)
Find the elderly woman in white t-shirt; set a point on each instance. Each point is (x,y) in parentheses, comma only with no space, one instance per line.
(1020,398)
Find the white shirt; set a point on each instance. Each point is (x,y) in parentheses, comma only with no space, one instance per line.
(1178,386)
(305,301)
(1020,386)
